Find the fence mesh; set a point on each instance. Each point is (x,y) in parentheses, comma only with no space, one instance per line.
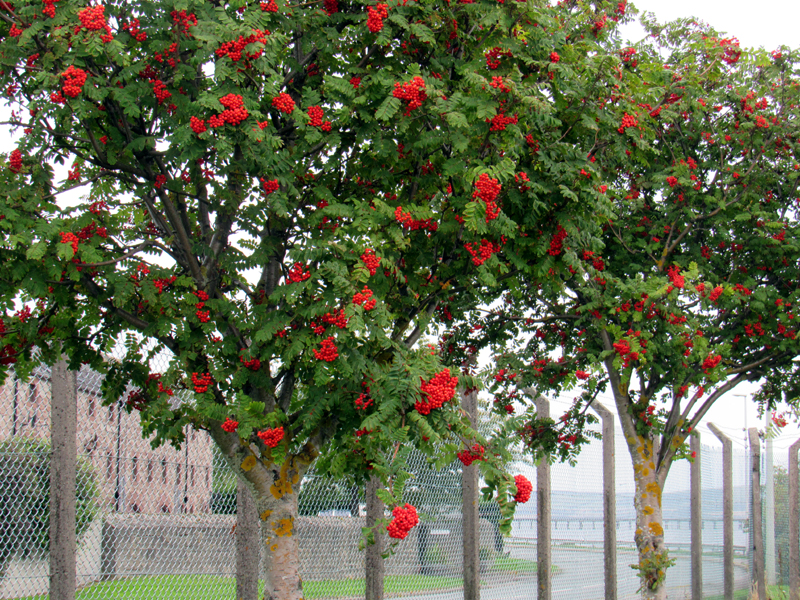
(160,523)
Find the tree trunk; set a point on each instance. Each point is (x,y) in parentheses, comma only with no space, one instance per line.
(275,490)
(653,555)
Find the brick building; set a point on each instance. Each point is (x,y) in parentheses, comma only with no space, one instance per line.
(132,477)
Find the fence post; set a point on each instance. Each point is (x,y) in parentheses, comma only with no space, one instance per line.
(758,534)
(469,507)
(248,546)
(794,523)
(609,502)
(769,508)
(543,514)
(696,509)
(374,566)
(727,509)
(64,423)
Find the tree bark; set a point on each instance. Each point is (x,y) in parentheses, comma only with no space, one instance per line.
(653,555)
(274,487)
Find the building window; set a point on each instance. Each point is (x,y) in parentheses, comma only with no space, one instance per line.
(150,471)
(92,404)
(111,414)
(164,471)
(32,392)
(191,480)
(135,468)
(109,465)
(178,474)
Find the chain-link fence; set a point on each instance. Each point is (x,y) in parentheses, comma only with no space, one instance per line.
(160,523)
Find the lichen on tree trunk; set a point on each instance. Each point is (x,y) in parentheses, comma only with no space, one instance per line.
(652,553)
(275,487)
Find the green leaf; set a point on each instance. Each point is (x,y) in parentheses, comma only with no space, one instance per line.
(388,108)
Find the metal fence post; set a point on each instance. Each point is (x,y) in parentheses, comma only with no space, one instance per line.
(248,547)
(794,523)
(373,564)
(64,420)
(769,508)
(609,502)
(727,509)
(758,534)
(469,506)
(696,509)
(543,514)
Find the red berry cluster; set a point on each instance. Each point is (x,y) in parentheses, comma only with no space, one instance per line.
(201,382)
(627,56)
(204,316)
(364,297)
(234,112)
(197,125)
(363,402)
(375,17)
(230,425)
(413,93)
(315,118)
(405,519)
(234,50)
(15,162)
(554,57)
(336,318)
(582,374)
(675,277)
(93,19)
(715,293)
(283,102)
(371,261)
(524,489)
(133,29)
(732,52)
(355,82)
(74,78)
(270,185)
(271,437)
(160,181)
(270,6)
(499,83)
(500,121)
(297,274)
(493,57)
(557,241)
(440,389)
(160,90)
(672,181)
(184,21)
(487,189)
(253,363)
(408,222)
(49,9)
(163,282)
(480,254)
(627,121)
(329,351)
(72,239)
(331,6)
(470,455)
(711,362)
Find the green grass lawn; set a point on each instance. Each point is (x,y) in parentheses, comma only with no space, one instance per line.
(775,592)
(209,587)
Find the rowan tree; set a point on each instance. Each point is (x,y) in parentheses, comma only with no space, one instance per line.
(280,198)
(691,289)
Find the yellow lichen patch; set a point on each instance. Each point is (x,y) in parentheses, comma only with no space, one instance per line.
(638,531)
(654,489)
(636,468)
(652,465)
(283,485)
(656,529)
(248,463)
(648,510)
(645,472)
(283,528)
(273,547)
(265,515)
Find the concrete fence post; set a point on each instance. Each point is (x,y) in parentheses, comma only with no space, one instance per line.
(696,509)
(543,514)
(727,509)
(794,523)
(609,502)
(248,544)
(757,521)
(373,563)
(469,506)
(64,423)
